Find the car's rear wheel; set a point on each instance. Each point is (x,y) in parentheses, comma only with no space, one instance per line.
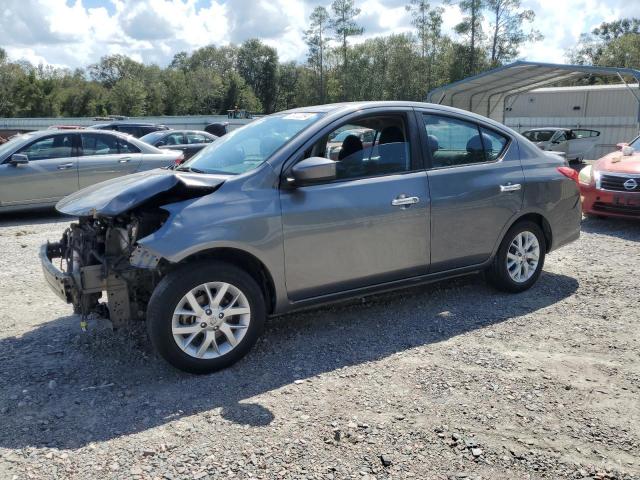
(202,318)
(520,258)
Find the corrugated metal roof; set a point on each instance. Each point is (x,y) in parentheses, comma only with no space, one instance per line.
(485,93)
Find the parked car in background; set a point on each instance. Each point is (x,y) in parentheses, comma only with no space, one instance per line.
(39,168)
(263,222)
(136,129)
(188,142)
(611,186)
(575,143)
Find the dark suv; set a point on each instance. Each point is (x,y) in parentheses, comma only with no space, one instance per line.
(136,129)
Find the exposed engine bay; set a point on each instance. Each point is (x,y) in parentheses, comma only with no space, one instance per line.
(98,257)
(95,253)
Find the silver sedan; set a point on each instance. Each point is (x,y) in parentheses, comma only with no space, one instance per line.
(39,168)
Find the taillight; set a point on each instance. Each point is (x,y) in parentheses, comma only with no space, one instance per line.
(569,173)
(179,160)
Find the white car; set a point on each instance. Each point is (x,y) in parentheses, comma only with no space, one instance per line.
(575,143)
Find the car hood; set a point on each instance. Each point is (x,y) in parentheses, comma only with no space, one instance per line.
(619,163)
(121,194)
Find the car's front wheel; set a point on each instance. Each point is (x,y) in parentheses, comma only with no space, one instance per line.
(205,317)
(520,258)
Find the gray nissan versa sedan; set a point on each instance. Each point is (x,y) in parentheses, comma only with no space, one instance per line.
(262,222)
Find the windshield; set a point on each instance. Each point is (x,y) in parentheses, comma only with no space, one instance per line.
(538,135)
(12,144)
(152,137)
(245,148)
(635,143)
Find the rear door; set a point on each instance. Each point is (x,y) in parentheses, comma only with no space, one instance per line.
(52,171)
(476,184)
(105,156)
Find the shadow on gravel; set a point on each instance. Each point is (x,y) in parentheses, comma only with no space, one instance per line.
(63,388)
(33,217)
(613,227)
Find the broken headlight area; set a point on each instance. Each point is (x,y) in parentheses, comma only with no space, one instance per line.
(96,255)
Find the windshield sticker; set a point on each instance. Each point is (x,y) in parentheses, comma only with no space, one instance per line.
(299,116)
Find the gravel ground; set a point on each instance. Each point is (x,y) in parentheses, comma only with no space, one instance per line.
(446,381)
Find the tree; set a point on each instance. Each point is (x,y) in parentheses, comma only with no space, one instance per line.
(344,25)
(591,46)
(471,27)
(622,51)
(507,33)
(316,40)
(258,66)
(113,68)
(128,97)
(428,24)
(288,74)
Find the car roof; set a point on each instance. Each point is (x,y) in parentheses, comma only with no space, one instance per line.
(543,129)
(348,107)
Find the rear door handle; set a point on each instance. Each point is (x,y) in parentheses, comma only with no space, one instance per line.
(510,188)
(404,201)
(124,160)
(65,166)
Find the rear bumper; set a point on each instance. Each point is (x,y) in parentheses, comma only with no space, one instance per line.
(609,203)
(60,283)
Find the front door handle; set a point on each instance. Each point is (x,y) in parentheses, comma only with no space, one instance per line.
(65,166)
(124,160)
(510,187)
(404,201)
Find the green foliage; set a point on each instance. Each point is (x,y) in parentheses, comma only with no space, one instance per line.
(507,34)
(344,25)
(258,65)
(212,79)
(611,44)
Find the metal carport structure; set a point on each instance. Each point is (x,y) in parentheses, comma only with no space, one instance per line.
(488,93)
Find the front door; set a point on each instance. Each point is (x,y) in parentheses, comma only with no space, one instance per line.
(50,174)
(476,183)
(370,225)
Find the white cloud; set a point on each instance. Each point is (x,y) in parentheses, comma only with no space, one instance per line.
(77,32)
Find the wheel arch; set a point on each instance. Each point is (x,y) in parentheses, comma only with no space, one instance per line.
(535,217)
(244,260)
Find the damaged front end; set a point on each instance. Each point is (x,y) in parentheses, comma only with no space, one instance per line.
(93,257)
(99,254)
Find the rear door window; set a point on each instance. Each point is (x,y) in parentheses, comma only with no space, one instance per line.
(96,144)
(453,142)
(126,147)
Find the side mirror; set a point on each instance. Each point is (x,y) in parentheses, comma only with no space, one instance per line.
(627,151)
(620,146)
(312,170)
(18,159)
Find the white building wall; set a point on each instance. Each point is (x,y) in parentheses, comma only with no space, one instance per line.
(611,109)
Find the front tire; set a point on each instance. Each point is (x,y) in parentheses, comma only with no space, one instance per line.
(520,258)
(205,317)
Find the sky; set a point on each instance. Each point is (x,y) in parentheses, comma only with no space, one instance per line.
(75,33)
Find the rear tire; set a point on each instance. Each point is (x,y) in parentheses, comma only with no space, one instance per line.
(520,258)
(205,317)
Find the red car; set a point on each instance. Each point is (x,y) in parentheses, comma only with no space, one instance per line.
(611,186)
